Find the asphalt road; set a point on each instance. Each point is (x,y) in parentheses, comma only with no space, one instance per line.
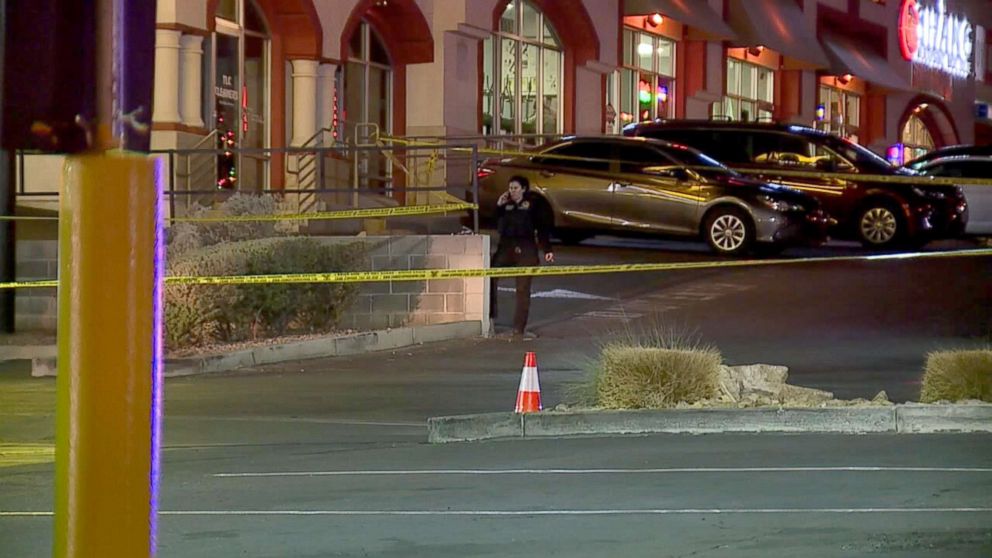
(327,457)
(854,328)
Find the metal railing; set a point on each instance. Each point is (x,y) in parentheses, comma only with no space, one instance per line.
(369,171)
(337,180)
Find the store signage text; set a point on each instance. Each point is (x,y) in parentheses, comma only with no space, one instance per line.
(227,90)
(931,37)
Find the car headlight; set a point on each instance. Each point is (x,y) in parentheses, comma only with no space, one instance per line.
(928,193)
(781,206)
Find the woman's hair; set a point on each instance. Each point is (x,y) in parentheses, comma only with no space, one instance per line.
(522,181)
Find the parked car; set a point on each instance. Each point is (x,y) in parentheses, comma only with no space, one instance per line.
(638,186)
(972,162)
(880,213)
(952,151)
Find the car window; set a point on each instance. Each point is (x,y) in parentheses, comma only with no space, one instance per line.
(797,153)
(633,158)
(962,169)
(859,156)
(726,146)
(780,150)
(584,155)
(710,142)
(699,162)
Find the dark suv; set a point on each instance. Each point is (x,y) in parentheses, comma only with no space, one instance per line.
(879,212)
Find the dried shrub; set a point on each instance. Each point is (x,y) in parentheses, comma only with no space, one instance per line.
(187,236)
(635,377)
(957,375)
(197,315)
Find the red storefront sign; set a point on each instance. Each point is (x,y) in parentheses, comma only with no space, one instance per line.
(931,37)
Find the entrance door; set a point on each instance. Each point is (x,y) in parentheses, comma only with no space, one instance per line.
(241,78)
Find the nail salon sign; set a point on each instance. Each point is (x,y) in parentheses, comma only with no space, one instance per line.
(931,37)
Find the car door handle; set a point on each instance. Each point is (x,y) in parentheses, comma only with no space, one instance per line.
(547,173)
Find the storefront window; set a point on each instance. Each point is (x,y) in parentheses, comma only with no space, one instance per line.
(916,138)
(839,112)
(368,92)
(644,88)
(522,75)
(750,93)
(237,70)
(368,82)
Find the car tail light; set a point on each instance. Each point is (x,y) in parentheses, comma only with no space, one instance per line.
(484,172)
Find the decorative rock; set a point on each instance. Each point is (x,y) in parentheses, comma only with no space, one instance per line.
(802,396)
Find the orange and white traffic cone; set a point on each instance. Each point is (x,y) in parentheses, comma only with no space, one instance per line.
(529,393)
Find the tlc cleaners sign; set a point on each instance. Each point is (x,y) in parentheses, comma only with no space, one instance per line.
(928,35)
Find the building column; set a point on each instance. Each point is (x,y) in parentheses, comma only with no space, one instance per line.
(191,97)
(304,100)
(166,104)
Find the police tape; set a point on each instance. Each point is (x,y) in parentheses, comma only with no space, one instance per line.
(771,175)
(399,211)
(503,272)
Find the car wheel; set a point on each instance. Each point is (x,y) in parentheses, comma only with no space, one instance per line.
(729,231)
(879,226)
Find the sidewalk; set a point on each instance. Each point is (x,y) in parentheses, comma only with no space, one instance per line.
(41,350)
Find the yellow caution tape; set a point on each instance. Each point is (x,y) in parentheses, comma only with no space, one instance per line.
(498,272)
(26,218)
(405,210)
(453,205)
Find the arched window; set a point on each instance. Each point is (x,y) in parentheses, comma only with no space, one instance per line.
(522,74)
(238,91)
(916,137)
(368,82)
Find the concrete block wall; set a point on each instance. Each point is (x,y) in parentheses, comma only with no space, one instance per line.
(436,301)
(378,305)
(35,309)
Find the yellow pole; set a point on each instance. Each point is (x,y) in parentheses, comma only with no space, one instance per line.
(109,381)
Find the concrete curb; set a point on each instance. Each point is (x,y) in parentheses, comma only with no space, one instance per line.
(910,418)
(340,345)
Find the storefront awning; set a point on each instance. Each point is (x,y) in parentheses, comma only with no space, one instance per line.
(847,56)
(780,26)
(695,13)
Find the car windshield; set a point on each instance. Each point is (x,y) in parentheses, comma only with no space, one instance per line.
(699,162)
(858,155)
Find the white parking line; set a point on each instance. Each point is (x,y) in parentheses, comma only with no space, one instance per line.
(516,513)
(372,472)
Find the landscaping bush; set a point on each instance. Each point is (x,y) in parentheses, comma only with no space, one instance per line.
(656,370)
(957,375)
(187,236)
(197,315)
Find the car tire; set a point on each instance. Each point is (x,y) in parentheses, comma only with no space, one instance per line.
(729,231)
(880,225)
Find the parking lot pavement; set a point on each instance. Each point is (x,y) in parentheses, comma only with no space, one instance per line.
(713,495)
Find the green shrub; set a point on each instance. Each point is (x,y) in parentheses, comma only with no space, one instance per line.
(201,314)
(957,375)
